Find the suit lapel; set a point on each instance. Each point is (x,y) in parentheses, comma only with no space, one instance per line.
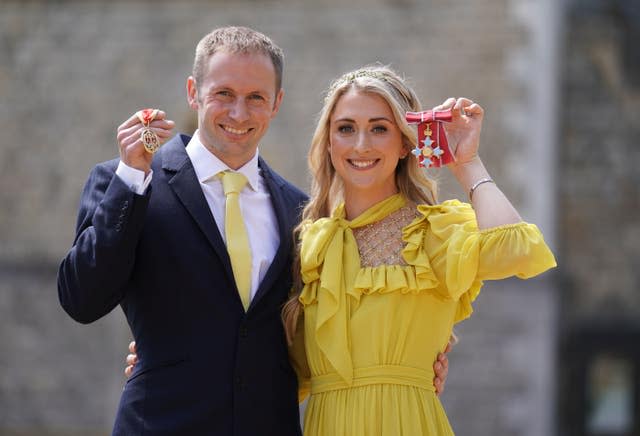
(186,187)
(284,229)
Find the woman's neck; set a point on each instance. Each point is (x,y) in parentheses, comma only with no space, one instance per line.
(356,201)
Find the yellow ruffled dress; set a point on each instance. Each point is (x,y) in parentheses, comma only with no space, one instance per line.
(372,334)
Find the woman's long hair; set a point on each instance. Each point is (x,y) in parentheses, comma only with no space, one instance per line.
(327,187)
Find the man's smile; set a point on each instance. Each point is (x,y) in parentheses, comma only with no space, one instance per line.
(230,129)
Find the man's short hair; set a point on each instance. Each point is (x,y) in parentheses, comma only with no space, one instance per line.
(235,39)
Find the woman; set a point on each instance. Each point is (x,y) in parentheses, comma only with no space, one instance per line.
(386,271)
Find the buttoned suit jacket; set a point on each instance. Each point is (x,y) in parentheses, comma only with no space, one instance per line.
(205,366)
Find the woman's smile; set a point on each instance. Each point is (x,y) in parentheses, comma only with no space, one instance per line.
(362,164)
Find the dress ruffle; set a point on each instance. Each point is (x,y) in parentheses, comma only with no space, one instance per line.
(330,262)
(445,253)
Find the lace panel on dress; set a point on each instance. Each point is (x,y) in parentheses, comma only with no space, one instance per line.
(381,243)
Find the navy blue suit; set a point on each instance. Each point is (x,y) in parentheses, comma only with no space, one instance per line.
(205,367)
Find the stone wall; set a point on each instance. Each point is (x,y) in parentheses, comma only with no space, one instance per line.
(70,72)
(600,180)
(598,186)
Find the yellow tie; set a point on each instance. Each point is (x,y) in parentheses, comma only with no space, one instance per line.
(236,234)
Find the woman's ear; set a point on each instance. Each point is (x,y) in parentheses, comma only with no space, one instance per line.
(405,152)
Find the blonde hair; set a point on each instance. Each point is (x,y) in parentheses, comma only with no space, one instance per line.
(326,185)
(237,39)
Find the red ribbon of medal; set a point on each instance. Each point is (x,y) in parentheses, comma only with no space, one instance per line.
(148,137)
(433,149)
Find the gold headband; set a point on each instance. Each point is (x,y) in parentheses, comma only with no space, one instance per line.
(350,77)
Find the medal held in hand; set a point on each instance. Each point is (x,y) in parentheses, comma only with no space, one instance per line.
(148,137)
(432,150)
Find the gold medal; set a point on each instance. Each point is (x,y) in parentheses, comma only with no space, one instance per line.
(149,140)
(148,137)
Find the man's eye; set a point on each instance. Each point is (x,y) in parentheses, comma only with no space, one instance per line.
(257,97)
(223,93)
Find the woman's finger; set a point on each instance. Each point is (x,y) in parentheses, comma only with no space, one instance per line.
(132,359)
(447,104)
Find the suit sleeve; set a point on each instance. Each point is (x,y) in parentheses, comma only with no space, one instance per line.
(92,277)
(298,359)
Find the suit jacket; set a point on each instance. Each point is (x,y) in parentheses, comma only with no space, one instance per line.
(205,366)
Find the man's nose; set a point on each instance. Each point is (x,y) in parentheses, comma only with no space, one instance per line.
(239,111)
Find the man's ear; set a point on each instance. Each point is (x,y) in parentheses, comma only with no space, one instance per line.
(277,102)
(192,93)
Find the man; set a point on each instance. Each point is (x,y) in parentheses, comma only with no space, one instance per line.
(153,236)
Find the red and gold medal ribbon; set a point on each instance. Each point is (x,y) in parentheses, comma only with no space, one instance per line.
(433,149)
(147,115)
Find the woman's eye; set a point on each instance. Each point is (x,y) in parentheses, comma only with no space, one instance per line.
(345,129)
(379,129)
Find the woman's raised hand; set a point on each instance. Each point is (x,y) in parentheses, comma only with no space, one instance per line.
(463,132)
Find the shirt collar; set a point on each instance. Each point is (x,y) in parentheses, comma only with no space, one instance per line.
(207,165)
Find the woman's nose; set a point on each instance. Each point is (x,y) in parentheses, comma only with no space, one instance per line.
(362,142)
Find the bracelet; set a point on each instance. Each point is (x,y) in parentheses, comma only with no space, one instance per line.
(478,183)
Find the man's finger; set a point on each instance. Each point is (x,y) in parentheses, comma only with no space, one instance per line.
(163,124)
(130,122)
(162,133)
(133,119)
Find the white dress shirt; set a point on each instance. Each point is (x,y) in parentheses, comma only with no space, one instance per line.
(255,203)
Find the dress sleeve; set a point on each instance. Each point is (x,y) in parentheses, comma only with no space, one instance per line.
(463,256)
